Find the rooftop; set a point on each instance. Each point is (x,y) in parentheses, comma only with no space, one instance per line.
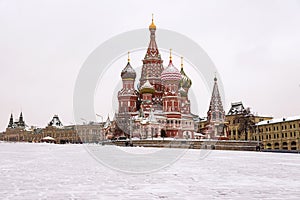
(279,120)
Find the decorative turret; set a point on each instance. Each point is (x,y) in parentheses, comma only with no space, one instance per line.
(216,112)
(185,81)
(127,96)
(11,121)
(55,122)
(147,88)
(128,72)
(185,84)
(146,92)
(152,68)
(170,73)
(171,99)
(21,122)
(215,126)
(152,51)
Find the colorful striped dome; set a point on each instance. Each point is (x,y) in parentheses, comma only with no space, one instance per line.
(147,88)
(170,73)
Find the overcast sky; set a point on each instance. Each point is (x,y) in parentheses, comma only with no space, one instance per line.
(255,46)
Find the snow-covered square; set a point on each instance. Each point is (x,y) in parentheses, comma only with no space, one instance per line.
(50,171)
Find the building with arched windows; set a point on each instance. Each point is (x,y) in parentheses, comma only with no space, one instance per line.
(279,134)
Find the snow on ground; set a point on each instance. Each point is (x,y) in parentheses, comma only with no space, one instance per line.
(49,171)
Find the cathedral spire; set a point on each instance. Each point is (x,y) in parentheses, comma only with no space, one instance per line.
(128,72)
(21,122)
(216,111)
(11,121)
(152,51)
(185,81)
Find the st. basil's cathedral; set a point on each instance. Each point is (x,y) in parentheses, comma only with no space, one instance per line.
(160,106)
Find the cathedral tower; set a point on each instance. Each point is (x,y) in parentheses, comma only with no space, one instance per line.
(216,115)
(171,100)
(127,96)
(184,86)
(11,121)
(152,68)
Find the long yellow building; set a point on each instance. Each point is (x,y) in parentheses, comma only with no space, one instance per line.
(279,134)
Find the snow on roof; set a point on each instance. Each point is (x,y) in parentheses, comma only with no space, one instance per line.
(236,108)
(278,120)
(55,122)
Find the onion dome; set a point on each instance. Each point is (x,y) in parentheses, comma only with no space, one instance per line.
(128,72)
(182,92)
(185,81)
(152,25)
(147,88)
(170,73)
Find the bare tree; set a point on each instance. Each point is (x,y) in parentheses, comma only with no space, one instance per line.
(246,121)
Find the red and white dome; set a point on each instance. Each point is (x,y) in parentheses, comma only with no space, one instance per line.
(170,73)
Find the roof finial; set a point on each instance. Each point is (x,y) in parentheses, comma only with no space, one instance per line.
(152,25)
(128,56)
(215,79)
(181,62)
(170,54)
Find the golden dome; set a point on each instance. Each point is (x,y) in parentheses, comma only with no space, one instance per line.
(152,25)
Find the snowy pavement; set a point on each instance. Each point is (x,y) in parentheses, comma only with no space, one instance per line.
(49,171)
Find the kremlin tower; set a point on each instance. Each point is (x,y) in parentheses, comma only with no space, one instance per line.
(160,106)
(215,126)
